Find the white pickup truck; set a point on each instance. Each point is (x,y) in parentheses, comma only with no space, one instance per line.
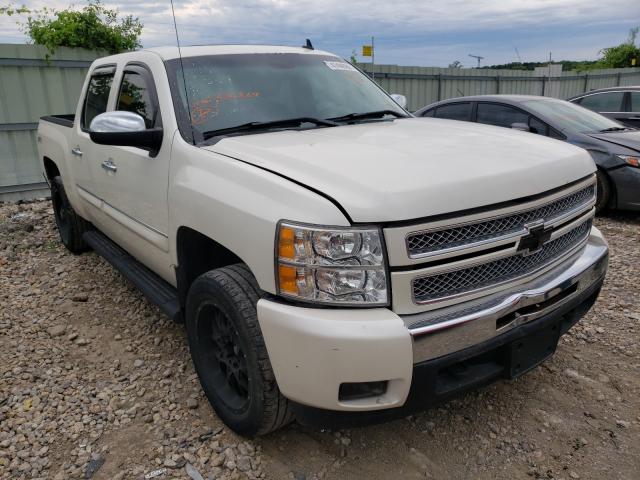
(333,258)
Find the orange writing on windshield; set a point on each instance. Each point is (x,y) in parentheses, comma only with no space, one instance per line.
(208,107)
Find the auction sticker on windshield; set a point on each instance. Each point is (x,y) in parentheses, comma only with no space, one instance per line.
(340,66)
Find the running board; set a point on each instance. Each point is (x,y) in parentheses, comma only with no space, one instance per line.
(151,285)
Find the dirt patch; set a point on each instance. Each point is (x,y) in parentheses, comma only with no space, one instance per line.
(96,382)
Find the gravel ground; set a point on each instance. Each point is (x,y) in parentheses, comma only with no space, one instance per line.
(96,383)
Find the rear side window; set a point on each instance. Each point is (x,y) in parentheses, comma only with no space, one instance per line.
(136,96)
(454,111)
(97,97)
(603,102)
(635,102)
(429,113)
(500,115)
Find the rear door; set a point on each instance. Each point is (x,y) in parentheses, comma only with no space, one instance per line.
(83,150)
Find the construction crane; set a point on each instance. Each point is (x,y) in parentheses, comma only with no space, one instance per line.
(477,57)
(517,53)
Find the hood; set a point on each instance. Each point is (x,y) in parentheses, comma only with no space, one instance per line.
(413,168)
(628,139)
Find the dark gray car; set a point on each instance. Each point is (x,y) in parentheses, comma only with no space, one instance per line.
(618,103)
(614,147)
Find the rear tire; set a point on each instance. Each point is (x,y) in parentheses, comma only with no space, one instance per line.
(229,353)
(604,191)
(70,225)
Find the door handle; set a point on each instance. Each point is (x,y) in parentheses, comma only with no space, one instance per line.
(76,151)
(109,165)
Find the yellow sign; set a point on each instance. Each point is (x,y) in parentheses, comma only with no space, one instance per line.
(367,50)
(633,62)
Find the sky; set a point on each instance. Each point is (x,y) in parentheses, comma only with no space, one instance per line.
(407,32)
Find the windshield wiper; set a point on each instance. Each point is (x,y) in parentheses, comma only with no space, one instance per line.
(289,122)
(613,129)
(365,115)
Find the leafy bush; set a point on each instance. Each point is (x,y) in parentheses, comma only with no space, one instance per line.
(94,27)
(621,56)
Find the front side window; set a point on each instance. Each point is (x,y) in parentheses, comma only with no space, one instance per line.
(500,115)
(226,91)
(603,102)
(569,116)
(135,96)
(97,97)
(454,111)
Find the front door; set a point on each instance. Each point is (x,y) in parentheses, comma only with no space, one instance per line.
(631,115)
(131,181)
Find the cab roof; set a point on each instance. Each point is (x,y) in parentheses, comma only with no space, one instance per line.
(171,52)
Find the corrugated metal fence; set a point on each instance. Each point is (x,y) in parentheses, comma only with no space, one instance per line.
(31,87)
(425,85)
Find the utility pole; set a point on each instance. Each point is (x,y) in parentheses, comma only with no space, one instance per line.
(373,60)
(477,57)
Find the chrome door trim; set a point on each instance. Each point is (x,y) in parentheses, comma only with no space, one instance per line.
(147,232)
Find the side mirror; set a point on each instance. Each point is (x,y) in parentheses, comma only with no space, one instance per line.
(126,129)
(521,126)
(400,99)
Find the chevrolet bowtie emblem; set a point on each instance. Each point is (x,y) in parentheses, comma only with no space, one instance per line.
(535,238)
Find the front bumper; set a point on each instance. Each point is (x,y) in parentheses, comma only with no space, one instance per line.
(314,351)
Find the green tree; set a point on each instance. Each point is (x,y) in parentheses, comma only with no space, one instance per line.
(622,55)
(94,27)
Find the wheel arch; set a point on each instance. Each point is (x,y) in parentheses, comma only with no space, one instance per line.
(197,253)
(613,195)
(50,168)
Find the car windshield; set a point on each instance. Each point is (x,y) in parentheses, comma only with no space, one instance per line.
(226,91)
(568,116)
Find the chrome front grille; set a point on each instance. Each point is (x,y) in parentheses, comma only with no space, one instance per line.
(422,243)
(442,285)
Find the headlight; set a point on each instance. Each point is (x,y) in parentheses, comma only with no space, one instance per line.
(331,265)
(633,160)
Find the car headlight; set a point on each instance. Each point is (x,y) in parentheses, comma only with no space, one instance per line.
(633,160)
(331,265)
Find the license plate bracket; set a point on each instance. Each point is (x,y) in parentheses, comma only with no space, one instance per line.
(529,352)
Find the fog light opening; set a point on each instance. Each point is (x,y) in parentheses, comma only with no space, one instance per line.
(360,390)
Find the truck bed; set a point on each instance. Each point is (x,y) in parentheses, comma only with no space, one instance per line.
(64,120)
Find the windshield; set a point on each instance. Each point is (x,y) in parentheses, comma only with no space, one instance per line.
(568,116)
(226,91)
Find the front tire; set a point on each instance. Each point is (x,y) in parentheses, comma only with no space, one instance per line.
(229,353)
(70,225)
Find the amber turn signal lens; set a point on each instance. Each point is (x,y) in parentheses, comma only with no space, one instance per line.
(287,276)
(286,243)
